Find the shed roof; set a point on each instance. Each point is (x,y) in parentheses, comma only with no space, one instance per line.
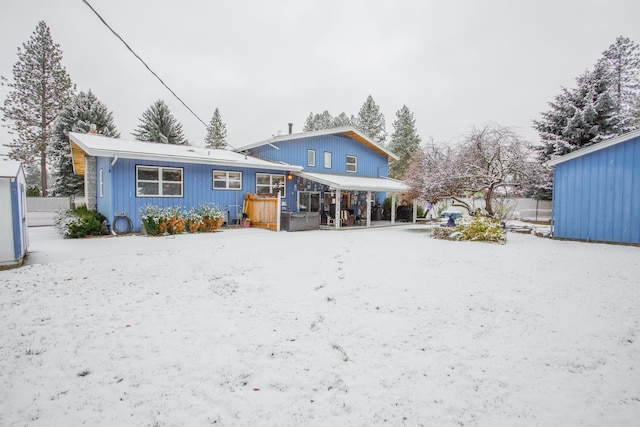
(102,146)
(348,131)
(10,168)
(356,183)
(595,147)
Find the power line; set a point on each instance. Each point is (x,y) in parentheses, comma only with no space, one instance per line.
(147,66)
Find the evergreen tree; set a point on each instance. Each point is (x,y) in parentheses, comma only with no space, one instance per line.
(342,120)
(371,121)
(404,141)
(622,61)
(579,117)
(84,112)
(157,124)
(216,132)
(40,90)
(318,121)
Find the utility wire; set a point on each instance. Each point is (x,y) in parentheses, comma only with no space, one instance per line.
(145,64)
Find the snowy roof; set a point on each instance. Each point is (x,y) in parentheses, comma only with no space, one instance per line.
(102,146)
(348,131)
(356,183)
(596,147)
(10,168)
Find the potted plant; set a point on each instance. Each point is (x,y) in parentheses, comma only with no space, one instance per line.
(246,221)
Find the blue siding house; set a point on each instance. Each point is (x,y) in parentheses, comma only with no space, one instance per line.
(596,192)
(339,175)
(122,176)
(13,214)
(344,174)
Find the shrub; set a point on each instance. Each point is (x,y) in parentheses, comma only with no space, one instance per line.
(193,221)
(175,220)
(172,222)
(479,228)
(151,218)
(81,222)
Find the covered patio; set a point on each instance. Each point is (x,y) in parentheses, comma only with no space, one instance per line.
(353,201)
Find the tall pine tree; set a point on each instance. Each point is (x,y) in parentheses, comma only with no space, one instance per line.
(371,121)
(622,61)
(84,112)
(216,132)
(404,141)
(40,90)
(157,124)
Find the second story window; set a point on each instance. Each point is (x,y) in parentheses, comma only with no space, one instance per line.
(352,164)
(327,159)
(311,157)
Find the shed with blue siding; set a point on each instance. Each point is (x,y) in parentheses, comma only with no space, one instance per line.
(596,192)
(13,214)
(122,176)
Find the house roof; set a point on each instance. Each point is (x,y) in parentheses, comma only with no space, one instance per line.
(10,168)
(102,146)
(356,183)
(595,147)
(348,131)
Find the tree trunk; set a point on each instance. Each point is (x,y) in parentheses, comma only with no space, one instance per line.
(43,171)
(488,195)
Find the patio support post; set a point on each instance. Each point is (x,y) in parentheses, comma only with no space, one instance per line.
(393,208)
(338,217)
(368,208)
(279,211)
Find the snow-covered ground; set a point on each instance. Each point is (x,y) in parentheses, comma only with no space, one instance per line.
(354,328)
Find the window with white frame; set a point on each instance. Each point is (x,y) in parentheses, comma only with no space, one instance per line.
(327,159)
(352,164)
(227,180)
(158,181)
(311,157)
(101,184)
(270,183)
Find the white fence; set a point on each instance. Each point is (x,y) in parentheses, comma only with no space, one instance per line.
(41,211)
(519,208)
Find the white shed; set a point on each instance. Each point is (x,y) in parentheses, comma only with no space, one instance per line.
(13,214)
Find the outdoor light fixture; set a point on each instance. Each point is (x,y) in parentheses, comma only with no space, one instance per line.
(289,176)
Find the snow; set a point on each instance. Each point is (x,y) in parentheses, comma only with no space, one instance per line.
(385,326)
(9,168)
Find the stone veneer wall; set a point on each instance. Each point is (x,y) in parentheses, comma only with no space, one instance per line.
(90,186)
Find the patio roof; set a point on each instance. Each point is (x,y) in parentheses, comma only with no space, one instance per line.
(356,183)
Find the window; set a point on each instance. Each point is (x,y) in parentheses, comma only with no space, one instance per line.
(155,181)
(352,164)
(227,180)
(308,201)
(101,183)
(267,183)
(311,157)
(327,159)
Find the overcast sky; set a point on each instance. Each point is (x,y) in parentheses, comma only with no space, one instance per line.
(455,64)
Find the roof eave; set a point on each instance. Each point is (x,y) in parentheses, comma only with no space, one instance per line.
(595,147)
(133,155)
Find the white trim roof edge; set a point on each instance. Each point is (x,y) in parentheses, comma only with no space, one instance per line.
(133,155)
(331,181)
(321,132)
(595,147)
